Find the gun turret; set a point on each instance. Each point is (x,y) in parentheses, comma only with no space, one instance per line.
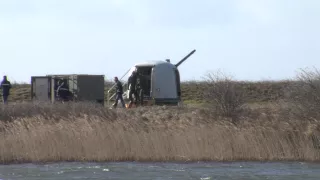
(185,58)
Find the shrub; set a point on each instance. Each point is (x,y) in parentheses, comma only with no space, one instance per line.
(304,96)
(226,96)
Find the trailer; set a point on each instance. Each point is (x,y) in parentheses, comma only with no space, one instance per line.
(68,87)
(159,82)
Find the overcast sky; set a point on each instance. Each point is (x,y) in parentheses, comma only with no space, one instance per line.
(249,39)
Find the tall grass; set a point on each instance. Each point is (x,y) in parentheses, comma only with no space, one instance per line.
(85,132)
(287,130)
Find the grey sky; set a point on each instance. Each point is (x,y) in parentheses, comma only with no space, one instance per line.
(250,39)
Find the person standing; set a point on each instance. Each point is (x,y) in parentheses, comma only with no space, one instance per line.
(141,84)
(132,82)
(63,91)
(119,93)
(5,86)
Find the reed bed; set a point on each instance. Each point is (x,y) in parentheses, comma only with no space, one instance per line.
(41,133)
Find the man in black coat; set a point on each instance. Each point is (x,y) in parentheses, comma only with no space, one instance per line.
(5,86)
(119,93)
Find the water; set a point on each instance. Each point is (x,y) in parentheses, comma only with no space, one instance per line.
(157,171)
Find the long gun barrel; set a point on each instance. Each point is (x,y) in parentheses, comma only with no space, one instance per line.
(185,58)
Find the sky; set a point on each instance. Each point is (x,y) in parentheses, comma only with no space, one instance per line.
(247,39)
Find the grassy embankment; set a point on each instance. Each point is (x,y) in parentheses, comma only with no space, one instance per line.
(281,123)
(258,92)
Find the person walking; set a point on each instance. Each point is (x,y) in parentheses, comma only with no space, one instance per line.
(5,86)
(119,93)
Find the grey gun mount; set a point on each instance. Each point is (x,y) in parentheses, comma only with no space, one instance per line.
(185,58)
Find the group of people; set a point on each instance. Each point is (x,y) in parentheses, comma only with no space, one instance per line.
(132,83)
(5,87)
(133,90)
(62,90)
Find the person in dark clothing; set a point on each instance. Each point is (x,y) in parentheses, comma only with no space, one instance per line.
(63,91)
(140,86)
(119,93)
(132,82)
(5,86)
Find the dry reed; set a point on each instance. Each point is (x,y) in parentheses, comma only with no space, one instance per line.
(84,132)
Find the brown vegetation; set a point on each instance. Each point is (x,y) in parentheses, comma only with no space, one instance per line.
(287,128)
(226,96)
(84,132)
(257,92)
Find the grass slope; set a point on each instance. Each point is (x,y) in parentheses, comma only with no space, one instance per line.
(277,120)
(263,91)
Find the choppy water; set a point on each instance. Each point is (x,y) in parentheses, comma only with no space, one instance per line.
(157,171)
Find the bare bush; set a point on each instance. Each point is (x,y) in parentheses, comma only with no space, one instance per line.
(226,96)
(304,95)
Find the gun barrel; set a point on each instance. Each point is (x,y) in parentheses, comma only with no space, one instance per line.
(185,58)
